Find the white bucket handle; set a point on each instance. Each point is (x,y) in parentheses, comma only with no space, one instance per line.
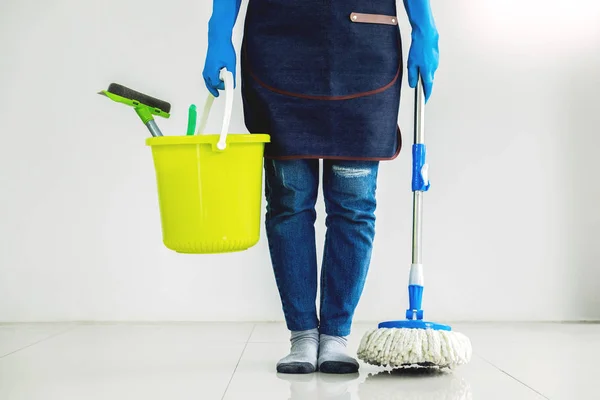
(227,77)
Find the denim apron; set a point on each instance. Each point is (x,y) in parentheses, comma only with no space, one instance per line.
(323,78)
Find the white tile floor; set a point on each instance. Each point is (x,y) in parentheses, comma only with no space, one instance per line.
(237,361)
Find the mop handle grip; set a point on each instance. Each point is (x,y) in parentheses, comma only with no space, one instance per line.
(420,176)
(227,77)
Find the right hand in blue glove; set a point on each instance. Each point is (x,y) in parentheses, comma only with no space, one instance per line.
(221,53)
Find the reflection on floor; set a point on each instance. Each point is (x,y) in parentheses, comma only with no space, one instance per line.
(237,361)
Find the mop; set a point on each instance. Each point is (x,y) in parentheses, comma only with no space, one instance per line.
(414,342)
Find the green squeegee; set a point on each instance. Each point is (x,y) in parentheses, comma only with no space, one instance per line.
(145,106)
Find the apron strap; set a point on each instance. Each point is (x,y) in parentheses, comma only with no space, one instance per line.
(227,77)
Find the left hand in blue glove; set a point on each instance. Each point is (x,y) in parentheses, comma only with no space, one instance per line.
(221,53)
(423,57)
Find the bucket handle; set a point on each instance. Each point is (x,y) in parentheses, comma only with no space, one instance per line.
(227,77)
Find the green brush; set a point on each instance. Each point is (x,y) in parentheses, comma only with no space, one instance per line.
(145,106)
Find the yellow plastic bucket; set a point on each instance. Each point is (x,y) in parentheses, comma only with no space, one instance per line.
(209,198)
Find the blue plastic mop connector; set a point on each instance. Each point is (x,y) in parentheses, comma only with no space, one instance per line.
(414,315)
(415,299)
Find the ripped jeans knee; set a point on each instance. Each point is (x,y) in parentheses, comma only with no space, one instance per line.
(350,184)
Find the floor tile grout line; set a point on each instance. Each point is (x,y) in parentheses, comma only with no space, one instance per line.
(42,340)
(511,376)
(238,362)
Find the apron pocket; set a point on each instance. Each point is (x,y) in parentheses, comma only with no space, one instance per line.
(368,18)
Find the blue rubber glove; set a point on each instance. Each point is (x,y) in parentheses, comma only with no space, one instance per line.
(221,53)
(424,56)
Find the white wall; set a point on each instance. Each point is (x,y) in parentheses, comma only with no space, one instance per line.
(512,223)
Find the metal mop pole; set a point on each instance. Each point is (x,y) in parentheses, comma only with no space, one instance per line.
(419,138)
(420,184)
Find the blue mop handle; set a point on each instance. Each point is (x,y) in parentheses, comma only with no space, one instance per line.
(420,184)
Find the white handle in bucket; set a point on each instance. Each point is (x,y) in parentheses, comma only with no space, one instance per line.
(227,77)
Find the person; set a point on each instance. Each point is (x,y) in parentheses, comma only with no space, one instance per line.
(323,78)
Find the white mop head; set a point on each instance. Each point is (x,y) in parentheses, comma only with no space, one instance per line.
(403,347)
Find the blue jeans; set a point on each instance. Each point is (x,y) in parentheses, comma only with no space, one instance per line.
(349,193)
